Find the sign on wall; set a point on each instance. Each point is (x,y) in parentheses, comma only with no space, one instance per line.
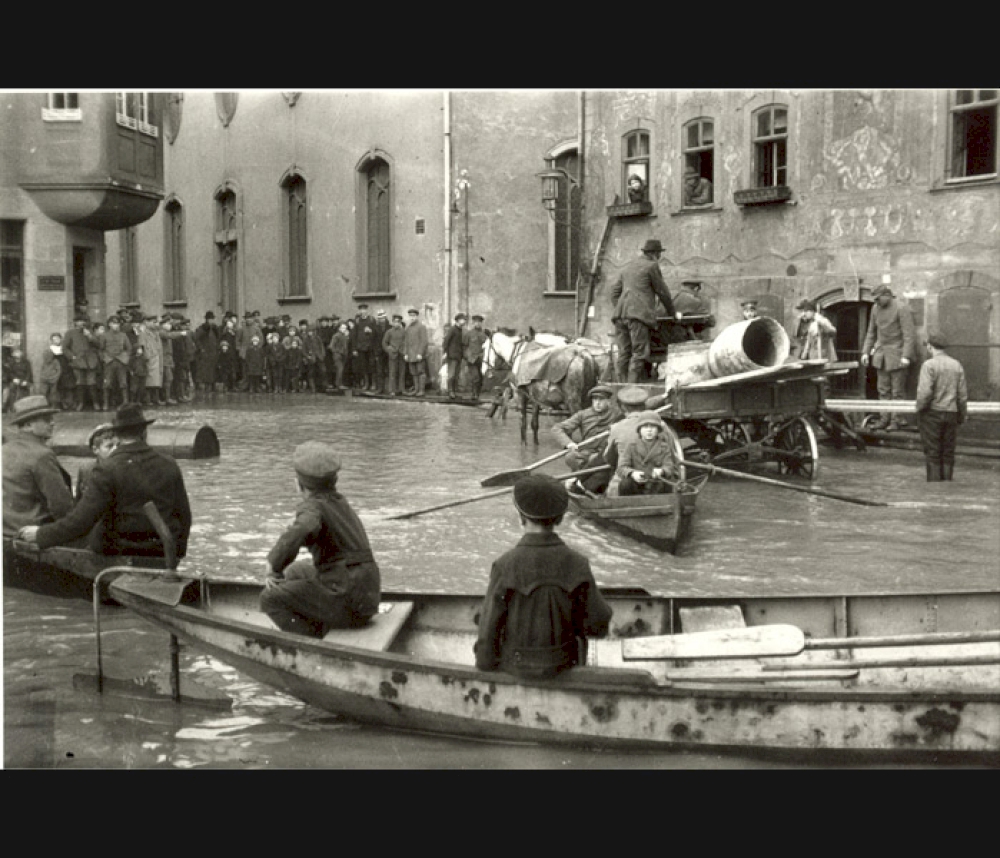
(51,283)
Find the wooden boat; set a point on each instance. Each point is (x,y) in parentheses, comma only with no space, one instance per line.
(60,571)
(660,521)
(412,668)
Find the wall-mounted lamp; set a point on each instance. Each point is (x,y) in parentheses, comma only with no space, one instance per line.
(552,181)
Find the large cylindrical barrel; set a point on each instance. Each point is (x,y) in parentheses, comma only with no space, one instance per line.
(754,344)
(180,442)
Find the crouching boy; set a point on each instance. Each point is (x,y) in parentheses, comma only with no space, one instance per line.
(542,601)
(340,587)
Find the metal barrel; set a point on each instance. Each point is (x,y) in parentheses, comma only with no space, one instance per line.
(752,344)
(180,442)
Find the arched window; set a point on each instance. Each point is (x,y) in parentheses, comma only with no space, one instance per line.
(698,143)
(174,251)
(375,215)
(227,248)
(566,229)
(770,146)
(635,165)
(296,235)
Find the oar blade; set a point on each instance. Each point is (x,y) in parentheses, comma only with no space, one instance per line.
(751,642)
(505,478)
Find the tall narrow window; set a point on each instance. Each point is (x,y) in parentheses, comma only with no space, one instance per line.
(699,162)
(61,106)
(378,219)
(174,251)
(130,266)
(227,249)
(296,212)
(770,146)
(635,166)
(973,133)
(567,225)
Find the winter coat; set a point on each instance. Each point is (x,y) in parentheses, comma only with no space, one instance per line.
(890,336)
(636,289)
(206,340)
(36,488)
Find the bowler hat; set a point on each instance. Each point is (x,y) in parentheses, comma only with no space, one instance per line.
(130,416)
(209,315)
(314,460)
(460,316)
(539,497)
(31,407)
(806,305)
(632,395)
(362,306)
(601,390)
(938,340)
(651,245)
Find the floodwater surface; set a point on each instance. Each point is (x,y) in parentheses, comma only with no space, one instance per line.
(747,538)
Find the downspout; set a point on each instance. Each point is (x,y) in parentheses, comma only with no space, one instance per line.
(447,206)
(581,224)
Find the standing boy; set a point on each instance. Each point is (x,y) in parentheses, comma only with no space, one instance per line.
(415,351)
(392,347)
(942,405)
(453,348)
(475,346)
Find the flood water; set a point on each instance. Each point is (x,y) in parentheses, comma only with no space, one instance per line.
(402,456)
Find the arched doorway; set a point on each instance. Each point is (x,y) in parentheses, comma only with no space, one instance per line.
(850,318)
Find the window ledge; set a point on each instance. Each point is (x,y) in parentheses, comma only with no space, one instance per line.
(295,299)
(762,196)
(696,210)
(66,114)
(561,293)
(630,209)
(180,302)
(374,296)
(989,180)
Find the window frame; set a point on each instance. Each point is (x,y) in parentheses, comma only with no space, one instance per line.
(953,111)
(363,171)
(628,162)
(564,224)
(697,151)
(130,265)
(52,113)
(174,252)
(295,235)
(771,140)
(133,110)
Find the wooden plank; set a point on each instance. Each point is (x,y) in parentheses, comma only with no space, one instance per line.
(380,631)
(751,642)
(756,675)
(798,369)
(897,406)
(705,618)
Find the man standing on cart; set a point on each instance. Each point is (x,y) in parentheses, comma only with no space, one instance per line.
(889,348)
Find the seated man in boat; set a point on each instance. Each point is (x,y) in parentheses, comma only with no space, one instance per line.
(111,509)
(36,488)
(542,601)
(647,464)
(584,424)
(340,587)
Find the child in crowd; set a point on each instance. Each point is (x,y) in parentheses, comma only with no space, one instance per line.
(293,363)
(225,367)
(138,368)
(17,378)
(255,365)
(648,462)
(340,587)
(274,362)
(542,601)
(51,371)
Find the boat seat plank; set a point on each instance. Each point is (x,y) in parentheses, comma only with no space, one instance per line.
(710,617)
(380,631)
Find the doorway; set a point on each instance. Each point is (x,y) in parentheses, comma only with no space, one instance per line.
(850,318)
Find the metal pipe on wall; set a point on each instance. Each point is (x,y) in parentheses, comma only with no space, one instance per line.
(581,222)
(447,206)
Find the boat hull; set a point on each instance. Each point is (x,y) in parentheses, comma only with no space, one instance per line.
(420,686)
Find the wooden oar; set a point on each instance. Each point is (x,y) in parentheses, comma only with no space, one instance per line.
(170,555)
(487,495)
(749,642)
(715,469)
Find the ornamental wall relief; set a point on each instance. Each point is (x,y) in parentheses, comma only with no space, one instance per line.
(864,161)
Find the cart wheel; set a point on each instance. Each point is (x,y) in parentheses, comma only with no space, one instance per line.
(798,437)
(731,443)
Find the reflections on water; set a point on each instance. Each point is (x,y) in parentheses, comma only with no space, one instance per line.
(403,456)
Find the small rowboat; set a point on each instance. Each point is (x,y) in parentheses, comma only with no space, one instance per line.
(919,679)
(661,521)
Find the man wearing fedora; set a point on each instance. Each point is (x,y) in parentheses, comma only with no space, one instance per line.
(36,488)
(888,347)
(634,295)
(942,405)
(111,507)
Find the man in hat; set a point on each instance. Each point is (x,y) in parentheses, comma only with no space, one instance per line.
(697,189)
(314,367)
(453,349)
(889,348)
(206,359)
(749,308)
(634,294)
(815,334)
(111,509)
(942,406)
(81,350)
(149,339)
(379,359)
(542,602)
(36,488)
(362,345)
(475,349)
(340,587)
(575,430)
(115,353)
(392,348)
(694,311)
(415,351)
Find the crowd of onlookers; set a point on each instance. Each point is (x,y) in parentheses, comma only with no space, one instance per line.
(162,360)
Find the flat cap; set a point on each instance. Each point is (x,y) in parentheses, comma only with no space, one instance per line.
(539,496)
(315,459)
(938,340)
(601,390)
(632,395)
(806,305)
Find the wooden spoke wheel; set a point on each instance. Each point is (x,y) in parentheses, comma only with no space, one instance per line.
(798,441)
(731,443)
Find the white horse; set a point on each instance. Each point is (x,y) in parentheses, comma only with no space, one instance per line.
(544,370)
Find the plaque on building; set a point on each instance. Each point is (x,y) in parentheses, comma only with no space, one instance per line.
(51,283)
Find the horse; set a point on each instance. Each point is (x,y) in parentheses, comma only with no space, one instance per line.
(541,369)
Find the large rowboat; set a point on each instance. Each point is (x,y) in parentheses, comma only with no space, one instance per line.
(921,677)
(660,521)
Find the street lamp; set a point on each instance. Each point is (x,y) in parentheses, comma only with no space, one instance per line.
(552,182)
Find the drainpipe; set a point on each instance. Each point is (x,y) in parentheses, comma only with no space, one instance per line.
(581,224)
(447,206)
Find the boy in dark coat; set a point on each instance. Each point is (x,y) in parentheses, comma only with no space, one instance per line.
(226,365)
(340,587)
(255,364)
(138,369)
(542,601)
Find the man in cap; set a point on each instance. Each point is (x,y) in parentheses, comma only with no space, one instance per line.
(749,308)
(362,346)
(889,348)
(111,509)
(575,430)
(379,359)
(340,586)
(815,334)
(36,488)
(542,602)
(693,308)
(475,349)
(115,353)
(452,350)
(149,339)
(81,350)
(632,403)
(942,405)
(634,294)
(392,349)
(415,351)
(697,189)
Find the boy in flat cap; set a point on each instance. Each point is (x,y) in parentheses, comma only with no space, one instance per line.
(942,405)
(452,349)
(475,348)
(340,587)
(542,602)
